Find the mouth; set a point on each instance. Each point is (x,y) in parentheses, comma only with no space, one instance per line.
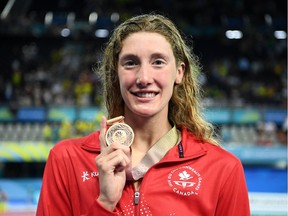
(145,94)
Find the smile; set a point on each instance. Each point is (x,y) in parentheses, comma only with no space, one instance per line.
(145,94)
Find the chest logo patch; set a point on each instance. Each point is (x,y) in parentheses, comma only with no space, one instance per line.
(185,181)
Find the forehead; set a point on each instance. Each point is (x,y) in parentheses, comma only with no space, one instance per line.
(146,40)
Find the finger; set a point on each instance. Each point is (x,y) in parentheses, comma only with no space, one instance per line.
(116,148)
(120,162)
(114,161)
(123,148)
(122,159)
(103,129)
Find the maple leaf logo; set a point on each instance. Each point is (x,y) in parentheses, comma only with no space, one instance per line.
(184,176)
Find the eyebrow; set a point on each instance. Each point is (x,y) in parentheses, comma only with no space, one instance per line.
(133,56)
(127,56)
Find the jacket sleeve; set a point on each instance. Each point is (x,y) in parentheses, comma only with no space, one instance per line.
(54,196)
(55,192)
(98,209)
(233,199)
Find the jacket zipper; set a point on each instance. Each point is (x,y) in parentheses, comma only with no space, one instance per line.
(136,200)
(136,197)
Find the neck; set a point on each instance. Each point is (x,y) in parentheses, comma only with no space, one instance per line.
(148,131)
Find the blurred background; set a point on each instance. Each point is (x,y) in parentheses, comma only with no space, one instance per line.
(48,90)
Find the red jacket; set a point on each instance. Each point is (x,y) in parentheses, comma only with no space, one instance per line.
(207,181)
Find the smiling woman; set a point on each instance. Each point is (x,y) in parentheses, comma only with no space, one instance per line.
(147,72)
(151,79)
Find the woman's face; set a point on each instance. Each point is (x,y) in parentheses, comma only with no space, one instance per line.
(147,73)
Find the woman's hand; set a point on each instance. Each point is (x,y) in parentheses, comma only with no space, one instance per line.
(112,163)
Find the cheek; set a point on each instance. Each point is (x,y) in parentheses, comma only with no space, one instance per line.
(125,81)
(166,81)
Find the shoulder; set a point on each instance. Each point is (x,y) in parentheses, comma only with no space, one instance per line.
(86,143)
(221,154)
(213,152)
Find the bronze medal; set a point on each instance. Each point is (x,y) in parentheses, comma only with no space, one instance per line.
(120,133)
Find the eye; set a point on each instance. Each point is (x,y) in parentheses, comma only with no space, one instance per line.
(129,64)
(158,62)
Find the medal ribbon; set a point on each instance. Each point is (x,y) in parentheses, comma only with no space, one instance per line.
(154,155)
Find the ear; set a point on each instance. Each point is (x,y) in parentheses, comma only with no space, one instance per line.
(180,73)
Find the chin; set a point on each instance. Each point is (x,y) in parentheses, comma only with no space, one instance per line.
(144,113)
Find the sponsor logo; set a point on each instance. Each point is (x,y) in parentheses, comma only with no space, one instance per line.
(86,175)
(185,181)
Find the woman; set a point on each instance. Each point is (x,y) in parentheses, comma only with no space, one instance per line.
(174,165)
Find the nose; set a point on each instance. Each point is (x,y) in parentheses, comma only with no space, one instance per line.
(143,76)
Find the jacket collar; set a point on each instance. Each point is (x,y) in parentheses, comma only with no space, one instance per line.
(192,146)
(91,142)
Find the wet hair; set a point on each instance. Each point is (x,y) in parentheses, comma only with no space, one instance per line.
(185,108)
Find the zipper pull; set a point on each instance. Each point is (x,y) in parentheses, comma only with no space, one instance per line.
(136,197)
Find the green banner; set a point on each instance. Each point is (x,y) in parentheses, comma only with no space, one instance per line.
(24,151)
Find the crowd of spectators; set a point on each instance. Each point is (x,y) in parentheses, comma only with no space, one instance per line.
(47,72)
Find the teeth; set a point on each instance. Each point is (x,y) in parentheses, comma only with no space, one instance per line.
(146,95)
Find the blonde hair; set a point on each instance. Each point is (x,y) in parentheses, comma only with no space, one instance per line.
(184,107)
